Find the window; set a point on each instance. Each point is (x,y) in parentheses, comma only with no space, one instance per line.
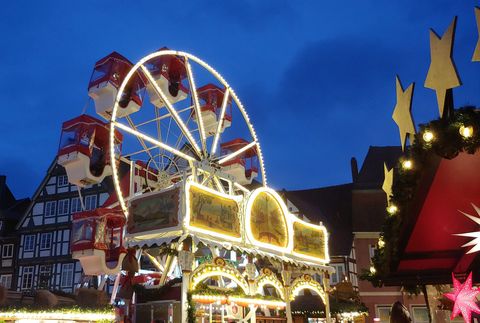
(50,208)
(63,206)
(7,251)
(76,206)
(62,180)
(420,314)
(45,241)
(67,275)
(90,202)
(27,278)
(1,225)
(6,281)
(44,276)
(338,275)
(29,243)
(383,313)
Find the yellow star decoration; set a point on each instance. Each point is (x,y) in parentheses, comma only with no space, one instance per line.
(442,74)
(387,182)
(402,113)
(476,53)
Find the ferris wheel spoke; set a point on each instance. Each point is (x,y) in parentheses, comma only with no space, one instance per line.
(241,187)
(196,105)
(153,141)
(179,138)
(159,130)
(172,110)
(220,122)
(142,142)
(219,184)
(138,152)
(237,153)
(163,116)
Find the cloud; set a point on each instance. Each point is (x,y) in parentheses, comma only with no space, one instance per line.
(338,73)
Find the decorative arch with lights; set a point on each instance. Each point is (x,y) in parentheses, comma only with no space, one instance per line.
(307,282)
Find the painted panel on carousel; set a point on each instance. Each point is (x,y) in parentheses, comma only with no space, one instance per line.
(267,219)
(213,212)
(154,212)
(310,240)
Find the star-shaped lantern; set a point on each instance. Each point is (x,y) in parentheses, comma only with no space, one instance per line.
(402,113)
(387,182)
(475,242)
(442,75)
(464,298)
(476,53)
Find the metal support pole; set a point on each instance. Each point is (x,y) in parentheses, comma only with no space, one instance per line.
(253,318)
(288,309)
(210,314)
(115,288)
(185,258)
(185,282)
(326,287)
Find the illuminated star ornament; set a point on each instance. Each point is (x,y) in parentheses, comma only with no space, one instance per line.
(442,75)
(475,242)
(387,182)
(402,113)
(464,298)
(476,53)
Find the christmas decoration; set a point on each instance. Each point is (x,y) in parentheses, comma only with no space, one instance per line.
(475,234)
(465,298)
(402,112)
(387,182)
(442,74)
(476,53)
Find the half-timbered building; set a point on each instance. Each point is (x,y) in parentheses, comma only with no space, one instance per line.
(11,211)
(44,257)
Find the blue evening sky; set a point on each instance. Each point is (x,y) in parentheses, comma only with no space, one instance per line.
(317,77)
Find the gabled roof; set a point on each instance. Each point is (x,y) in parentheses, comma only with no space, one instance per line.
(331,205)
(37,192)
(6,196)
(369,200)
(11,209)
(371,174)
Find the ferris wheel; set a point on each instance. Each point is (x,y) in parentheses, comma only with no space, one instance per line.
(173,129)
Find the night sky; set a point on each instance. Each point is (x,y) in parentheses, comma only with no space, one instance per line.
(317,78)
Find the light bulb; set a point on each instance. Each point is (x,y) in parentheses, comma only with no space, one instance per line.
(428,136)
(407,164)
(466,132)
(381,243)
(392,209)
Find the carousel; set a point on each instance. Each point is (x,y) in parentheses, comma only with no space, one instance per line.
(192,218)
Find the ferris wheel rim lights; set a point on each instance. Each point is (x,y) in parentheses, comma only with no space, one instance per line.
(140,64)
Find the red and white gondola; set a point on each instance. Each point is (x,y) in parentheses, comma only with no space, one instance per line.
(212,99)
(84,150)
(108,74)
(244,167)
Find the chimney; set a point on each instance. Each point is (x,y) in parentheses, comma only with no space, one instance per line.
(354,167)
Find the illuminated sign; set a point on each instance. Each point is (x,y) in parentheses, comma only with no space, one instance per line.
(213,213)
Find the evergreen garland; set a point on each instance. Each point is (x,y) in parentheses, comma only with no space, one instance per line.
(191,308)
(447,143)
